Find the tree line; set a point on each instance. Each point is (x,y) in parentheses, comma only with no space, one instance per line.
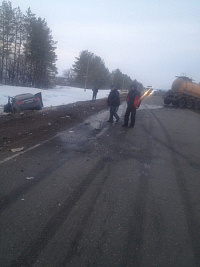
(28,58)
(89,70)
(27,49)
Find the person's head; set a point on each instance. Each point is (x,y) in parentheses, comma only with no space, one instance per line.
(112,87)
(133,86)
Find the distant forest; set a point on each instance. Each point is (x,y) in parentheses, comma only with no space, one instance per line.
(28,58)
(27,49)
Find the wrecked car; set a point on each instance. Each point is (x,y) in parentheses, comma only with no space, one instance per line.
(24,102)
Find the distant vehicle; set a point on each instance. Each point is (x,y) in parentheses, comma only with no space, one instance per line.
(24,102)
(159,92)
(183,93)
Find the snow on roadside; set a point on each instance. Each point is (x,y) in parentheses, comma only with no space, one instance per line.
(51,97)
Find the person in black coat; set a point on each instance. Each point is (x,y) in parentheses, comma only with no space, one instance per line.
(113,102)
(133,100)
(95,91)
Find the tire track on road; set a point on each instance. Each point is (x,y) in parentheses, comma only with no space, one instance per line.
(30,254)
(132,255)
(14,195)
(193,227)
(190,162)
(73,247)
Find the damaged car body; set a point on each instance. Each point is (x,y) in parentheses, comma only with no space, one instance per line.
(22,102)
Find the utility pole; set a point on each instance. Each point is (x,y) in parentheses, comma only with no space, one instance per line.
(86,74)
(123,84)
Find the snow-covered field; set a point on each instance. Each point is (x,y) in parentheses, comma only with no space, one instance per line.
(51,97)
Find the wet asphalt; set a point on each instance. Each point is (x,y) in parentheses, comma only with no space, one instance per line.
(102,195)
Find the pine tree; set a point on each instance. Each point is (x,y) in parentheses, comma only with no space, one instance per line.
(6,38)
(40,54)
(19,37)
(117,78)
(90,70)
(27,49)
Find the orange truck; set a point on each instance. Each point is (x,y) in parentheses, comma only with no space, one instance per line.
(183,93)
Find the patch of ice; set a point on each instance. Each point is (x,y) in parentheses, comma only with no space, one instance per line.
(150,107)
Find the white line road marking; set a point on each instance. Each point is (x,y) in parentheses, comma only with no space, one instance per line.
(18,154)
(29,149)
(70,130)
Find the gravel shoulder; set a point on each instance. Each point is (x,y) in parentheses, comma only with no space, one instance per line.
(31,126)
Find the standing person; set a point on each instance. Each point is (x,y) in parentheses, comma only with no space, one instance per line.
(133,102)
(113,102)
(95,91)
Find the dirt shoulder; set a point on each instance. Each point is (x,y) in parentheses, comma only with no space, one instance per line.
(28,127)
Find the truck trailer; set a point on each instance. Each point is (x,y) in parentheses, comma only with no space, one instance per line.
(183,93)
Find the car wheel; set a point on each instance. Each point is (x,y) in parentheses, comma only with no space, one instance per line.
(39,106)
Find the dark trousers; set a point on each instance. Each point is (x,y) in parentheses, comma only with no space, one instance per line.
(132,111)
(94,96)
(113,112)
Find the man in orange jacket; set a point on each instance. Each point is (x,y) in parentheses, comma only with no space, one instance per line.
(133,102)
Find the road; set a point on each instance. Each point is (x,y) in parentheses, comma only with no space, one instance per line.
(102,195)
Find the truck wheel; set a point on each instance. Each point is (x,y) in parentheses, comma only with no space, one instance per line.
(190,104)
(182,103)
(167,101)
(197,105)
(174,103)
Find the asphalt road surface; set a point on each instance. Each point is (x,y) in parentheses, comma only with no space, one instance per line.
(101,195)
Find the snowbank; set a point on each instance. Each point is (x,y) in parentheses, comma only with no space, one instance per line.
(51,97)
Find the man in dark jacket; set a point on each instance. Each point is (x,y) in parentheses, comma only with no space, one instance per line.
(133,102)
(95,91)
(113,102)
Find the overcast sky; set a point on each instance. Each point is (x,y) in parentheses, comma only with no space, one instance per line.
(149,40)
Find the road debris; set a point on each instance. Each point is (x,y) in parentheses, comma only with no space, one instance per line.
(17,149)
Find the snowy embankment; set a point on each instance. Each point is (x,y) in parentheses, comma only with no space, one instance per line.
(51,97)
